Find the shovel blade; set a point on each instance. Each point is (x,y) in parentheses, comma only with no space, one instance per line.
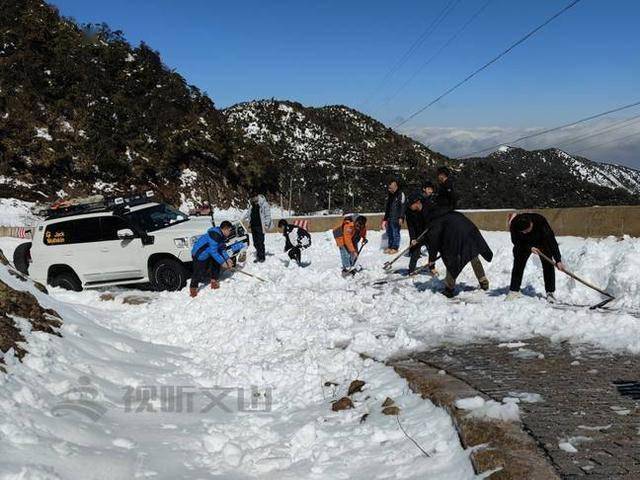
(601,304)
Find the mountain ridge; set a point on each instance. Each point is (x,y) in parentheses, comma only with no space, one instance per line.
(82,111)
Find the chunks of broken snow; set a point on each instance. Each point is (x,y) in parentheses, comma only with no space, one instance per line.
(188,177)
(569,445)
(43,133)
(15,213)
(480,408)
(525,397)
(512,345)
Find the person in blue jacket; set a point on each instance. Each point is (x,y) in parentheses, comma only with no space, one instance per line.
(209,256)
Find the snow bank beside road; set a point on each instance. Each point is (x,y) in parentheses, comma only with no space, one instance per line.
(294,337)
(102,403)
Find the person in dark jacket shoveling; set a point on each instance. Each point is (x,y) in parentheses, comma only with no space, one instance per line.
(531,233)
(415,216)
(457,240)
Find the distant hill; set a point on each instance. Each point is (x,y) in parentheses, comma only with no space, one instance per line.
(517,178)
(82,111)
(332,150)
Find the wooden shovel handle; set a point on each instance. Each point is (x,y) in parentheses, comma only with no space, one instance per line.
(575,277)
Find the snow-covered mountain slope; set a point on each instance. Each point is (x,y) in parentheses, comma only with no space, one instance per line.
(334,135)
(517,178)
(602,174)
(336,151)
(329,149)
(87,112)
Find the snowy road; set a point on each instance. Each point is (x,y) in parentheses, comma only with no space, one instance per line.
(291,338)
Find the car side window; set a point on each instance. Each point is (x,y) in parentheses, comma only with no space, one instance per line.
(110,226)
(68,232)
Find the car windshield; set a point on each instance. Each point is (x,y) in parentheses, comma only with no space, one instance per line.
(157,217)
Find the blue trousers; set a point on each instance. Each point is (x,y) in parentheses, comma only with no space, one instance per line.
(345,256)
(393,235)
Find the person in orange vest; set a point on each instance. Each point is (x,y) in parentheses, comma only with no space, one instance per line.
(347,237)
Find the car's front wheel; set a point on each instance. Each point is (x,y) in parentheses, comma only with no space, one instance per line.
(22,257)
(66,280)
(168,274)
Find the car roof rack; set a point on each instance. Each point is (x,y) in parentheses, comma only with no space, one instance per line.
(93,203)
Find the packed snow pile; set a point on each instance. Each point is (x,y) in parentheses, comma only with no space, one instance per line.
(16,213)
(216,387)
(121,394)
(478,407)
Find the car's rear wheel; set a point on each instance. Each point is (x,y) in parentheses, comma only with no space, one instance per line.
(21,257)
(168,275)
(66,280)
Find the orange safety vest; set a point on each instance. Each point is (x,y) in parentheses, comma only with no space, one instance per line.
(344,235)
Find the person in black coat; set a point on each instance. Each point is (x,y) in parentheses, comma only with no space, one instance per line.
(531,233)
(415,216)
(459,242)
(296,239)
(445,195)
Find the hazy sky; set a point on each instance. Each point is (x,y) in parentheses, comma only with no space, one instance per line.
(341,52)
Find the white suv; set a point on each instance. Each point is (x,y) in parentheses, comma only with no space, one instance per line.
(116,244)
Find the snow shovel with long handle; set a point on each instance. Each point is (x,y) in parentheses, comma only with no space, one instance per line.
(248,274)
(384,281)
(584,282)
(352,270)
(387,265)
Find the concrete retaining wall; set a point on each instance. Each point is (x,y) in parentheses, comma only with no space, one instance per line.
(580,222)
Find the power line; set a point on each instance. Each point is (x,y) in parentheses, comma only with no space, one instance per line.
(614,126)
(489,63)
(554,129)
(426,33)
(440,50)
(593,147)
